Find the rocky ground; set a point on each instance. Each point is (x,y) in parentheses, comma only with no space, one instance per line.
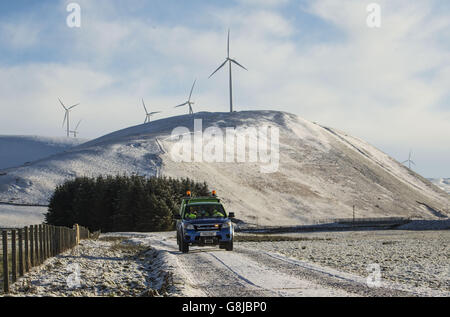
(414,258)
(110,266)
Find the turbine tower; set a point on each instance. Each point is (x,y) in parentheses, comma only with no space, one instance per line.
(148,115)
(229,61)
(75,132)
(189,102)
(66,116)
(409,160)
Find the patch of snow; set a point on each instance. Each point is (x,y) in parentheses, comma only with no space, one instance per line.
(19,150)
(322,172)
(443,183)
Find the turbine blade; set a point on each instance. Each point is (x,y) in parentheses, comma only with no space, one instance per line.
(413,163)
(156,112)
(184,104)
(62,104)
(192,89)
(74,106)
(228,44)
(238,64)
(219,68)
(143,103)
(77,126)
(65,117)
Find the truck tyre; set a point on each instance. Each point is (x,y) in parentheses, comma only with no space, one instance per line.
(184,246)
(229,246)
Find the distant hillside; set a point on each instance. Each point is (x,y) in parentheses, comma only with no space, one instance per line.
(443,183)
(323,172)
(18,150)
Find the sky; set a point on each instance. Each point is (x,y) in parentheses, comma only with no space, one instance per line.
(315,58)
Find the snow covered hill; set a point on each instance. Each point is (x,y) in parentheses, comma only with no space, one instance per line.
(443,183)
(18,150)
(322,171)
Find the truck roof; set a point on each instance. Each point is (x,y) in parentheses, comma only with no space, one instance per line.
(195,200)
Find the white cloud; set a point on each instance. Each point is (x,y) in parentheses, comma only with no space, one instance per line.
(264,3)
(383,85)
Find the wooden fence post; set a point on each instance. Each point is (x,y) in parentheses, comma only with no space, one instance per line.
(62,239)
(32,263)
(27,255)
(36,244)
(5,262)
(41,244)
(21,252)
(52,251)
(44,241)
(48,241)
(53,230)
(60,245)
(13,256)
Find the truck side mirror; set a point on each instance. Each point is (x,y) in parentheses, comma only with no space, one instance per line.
(231,215)
(177,217)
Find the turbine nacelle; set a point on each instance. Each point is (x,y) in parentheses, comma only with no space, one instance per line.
(189,102)
(230,61)
(66,115)
(148,115)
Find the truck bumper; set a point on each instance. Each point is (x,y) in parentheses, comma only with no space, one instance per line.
(195,238)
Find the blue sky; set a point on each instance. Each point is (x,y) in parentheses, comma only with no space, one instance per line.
(317,59)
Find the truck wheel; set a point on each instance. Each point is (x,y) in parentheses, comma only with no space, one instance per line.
(229,246)
(184,246)
(178,243)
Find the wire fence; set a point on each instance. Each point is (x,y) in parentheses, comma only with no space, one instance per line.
(22,249)
(329,223)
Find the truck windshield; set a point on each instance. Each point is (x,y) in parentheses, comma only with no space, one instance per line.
(204,211)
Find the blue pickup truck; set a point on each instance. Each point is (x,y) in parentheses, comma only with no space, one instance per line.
(203,221)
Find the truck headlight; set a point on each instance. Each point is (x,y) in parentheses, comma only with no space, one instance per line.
(226,225)
(189,227)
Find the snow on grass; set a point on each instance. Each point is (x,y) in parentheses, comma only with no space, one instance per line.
(109,267)
(322,173)
(18,150)
(443,183)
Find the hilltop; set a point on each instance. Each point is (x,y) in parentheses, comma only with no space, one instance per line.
(322,171)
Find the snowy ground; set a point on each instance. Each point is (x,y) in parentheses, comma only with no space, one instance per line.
(443,183)
(98,268)
(330,264)
(16,150)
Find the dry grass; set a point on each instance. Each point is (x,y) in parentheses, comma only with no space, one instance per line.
(271,238)
(112,238)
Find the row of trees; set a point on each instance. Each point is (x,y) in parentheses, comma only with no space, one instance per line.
(120,203)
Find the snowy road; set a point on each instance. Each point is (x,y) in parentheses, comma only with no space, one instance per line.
(214,272)
(149,264)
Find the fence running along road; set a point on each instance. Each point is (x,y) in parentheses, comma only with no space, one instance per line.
(22,249)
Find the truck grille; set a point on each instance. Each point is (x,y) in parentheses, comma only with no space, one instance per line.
(209,227)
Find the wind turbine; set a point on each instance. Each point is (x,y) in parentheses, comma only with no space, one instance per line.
(409,160)
(189,102)
(229,61)
(148,115)
(75,132)
(66,117)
